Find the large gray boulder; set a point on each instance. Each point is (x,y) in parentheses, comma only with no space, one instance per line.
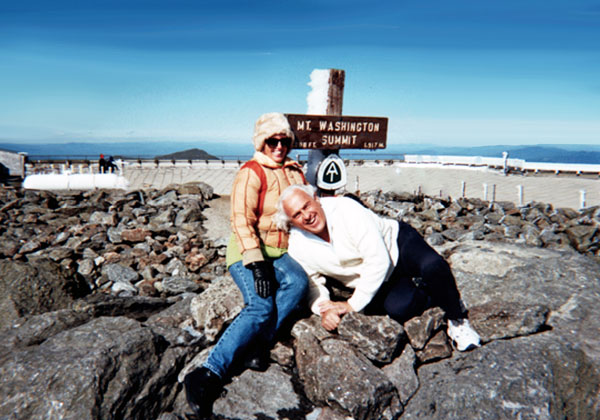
(259,395)
(31,288)
(98,370)
(552,374)
(529,378)
(564,281)
(333,373)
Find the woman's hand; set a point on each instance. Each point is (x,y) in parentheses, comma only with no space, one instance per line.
(264,278)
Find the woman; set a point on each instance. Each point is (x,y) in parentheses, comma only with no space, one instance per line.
(271,282)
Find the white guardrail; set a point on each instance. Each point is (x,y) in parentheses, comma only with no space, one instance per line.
(519,164)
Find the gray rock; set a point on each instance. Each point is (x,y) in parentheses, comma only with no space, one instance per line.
(85,267)
(437,348)
(92,372)
(136,307)
(196,188)
(121,288)
(402,374)
(435,239)
(564,281)
(167,199)
(120,273)
(453,234)
(496,320)
(377,337)
(35,329)
(176,285)
(188,215)
(103,218)
(61,253)
(31,288)
(312,326)
(174,315)
(326,413)
(114,234)
(282,355)
(581,236)
(161,388)
(334,374)
(421,328)
(165,217)
(356,386)
(30,246)
(135,235)
(400,209)
(214,308)
(168,416)
(535,378)
(255,395)
(176,267)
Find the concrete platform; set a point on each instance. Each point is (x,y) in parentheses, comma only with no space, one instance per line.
(433,180)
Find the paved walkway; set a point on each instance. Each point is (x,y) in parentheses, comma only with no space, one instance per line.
(560,191)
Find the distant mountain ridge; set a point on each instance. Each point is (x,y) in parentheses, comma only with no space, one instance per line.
(584,154)
(195,153)
(588,154)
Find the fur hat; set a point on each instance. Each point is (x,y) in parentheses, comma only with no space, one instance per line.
(267,126)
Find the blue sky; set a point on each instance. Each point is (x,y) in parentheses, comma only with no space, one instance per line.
(453,73)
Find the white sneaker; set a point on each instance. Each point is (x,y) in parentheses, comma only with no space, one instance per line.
(463,336)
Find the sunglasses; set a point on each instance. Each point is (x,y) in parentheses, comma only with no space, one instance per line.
(285,142)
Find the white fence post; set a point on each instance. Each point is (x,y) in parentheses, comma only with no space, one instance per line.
(485,191)
(463,186)
(582,199)
(520,190)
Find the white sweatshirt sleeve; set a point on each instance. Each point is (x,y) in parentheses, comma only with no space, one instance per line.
(301,248)
(362,230)
(317,292)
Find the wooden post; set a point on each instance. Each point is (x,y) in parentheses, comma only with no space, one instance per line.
(335,100)
(324,130)
(335,95)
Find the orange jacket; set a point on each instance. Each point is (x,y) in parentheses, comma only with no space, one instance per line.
(252,226)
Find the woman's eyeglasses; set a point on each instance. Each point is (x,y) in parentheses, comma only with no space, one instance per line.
(285,142)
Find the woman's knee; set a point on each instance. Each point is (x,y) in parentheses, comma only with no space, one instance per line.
(291,276)
(261,311)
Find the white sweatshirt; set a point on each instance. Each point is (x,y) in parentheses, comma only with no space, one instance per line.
(362,251)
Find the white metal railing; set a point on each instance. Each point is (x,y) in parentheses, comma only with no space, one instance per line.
(520,164)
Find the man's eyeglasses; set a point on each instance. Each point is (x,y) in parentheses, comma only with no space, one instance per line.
(285,142)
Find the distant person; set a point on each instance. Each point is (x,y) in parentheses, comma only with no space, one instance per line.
(387,263)
(505,168)
(102,164)
(110,165)
(271,282)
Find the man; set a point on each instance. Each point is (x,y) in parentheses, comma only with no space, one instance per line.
(388,263)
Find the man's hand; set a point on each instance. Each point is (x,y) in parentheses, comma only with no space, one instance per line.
(330,320)
(331,313)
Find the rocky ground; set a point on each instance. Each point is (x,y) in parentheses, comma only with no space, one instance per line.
(108,298)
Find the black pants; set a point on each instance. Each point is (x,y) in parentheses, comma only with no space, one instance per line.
(401,298)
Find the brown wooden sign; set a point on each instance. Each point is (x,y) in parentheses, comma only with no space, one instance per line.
(338,131)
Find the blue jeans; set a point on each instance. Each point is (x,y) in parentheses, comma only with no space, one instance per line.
(261,317)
